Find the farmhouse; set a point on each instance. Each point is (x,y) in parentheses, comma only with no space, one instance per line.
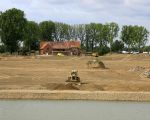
(64,47)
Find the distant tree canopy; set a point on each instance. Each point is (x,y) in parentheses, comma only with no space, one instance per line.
(117,46)
(134,36)
(12,26)
(31,35)
(94,37)
(112,32)
(47,30)
(62,31)
(146,49)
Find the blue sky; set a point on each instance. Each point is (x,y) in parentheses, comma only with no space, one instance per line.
(84,11)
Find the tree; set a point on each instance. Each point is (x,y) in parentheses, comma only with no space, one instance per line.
(96,37)
(100,35)
(72,30)
(0,24)
(31,35)
(112,30)
(146,49)
(140,36)
(93,35)
(87,37)
(58,31)
(127,35)
(134,36)
(117,46)
(47,30)
(12,26)
(81,33)
(62,31)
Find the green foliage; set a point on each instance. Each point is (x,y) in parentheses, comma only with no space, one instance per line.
(134,36)
(2,48)
(80,34)
(47,29)
(0,24)
(87,44)
(103,50)
(100,39)
(117,46)
(111,32)
(31,35)
(63,31)
(12,26)
(126,35)
(98,35)
(146,49)
(140,36)
(94,36)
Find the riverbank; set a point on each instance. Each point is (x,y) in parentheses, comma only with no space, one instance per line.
(74,95)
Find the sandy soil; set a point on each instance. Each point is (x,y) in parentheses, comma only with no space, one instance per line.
(51,72)
(75,95)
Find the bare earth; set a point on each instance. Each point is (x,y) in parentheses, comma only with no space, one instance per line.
(51,72)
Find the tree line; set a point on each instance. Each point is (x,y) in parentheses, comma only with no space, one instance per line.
(15,30)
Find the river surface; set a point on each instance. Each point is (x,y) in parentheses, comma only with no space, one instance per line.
(73,110)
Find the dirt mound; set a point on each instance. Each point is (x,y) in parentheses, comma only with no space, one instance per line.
(83,86)
(137,69)
(145,74)
(96,64)
(101,65)
(66,87)
(55,86)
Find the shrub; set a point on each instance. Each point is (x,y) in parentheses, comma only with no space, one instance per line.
(117,46)
(2,48)
(103,50)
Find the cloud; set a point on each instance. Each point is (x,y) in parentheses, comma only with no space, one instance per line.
(84,11)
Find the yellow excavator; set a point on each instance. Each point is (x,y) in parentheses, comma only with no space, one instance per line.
(73,77)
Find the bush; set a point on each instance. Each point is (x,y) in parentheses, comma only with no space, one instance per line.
(146,49)
(117,46)
(2,48)
(103,50)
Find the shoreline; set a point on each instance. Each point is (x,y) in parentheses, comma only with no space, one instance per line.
(75,95)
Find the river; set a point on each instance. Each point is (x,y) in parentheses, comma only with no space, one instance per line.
(73,110)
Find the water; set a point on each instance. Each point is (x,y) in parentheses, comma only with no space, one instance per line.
(73,110)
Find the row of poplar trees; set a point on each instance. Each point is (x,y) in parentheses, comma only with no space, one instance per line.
(94,37)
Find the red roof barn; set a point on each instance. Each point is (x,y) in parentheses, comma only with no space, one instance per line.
(65,47)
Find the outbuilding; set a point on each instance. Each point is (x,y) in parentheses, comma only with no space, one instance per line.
(64,47)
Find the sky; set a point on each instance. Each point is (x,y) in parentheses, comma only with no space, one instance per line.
(123,12)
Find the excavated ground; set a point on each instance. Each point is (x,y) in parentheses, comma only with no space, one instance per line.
(51,72)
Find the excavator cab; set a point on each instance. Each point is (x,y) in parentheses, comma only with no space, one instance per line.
(74,77)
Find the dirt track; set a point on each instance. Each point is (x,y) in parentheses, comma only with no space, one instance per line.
(50,73)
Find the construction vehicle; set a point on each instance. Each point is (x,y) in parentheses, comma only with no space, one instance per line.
(74,78)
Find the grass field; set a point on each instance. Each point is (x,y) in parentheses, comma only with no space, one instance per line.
(51,72)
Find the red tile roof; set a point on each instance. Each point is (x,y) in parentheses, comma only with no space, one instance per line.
(44,45)
(60,45)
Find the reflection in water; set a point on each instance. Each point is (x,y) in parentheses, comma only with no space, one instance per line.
(73,110)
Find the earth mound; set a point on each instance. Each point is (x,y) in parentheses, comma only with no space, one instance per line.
(61,86)
(96,64)
(83,86)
